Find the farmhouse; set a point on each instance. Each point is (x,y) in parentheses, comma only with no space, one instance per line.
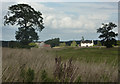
(43,45)
(86,43)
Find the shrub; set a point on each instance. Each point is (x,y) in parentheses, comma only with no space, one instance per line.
(33,45)
(27,75)
(78,79)
(44,77)
(73,44)
(22,74)
(25,46)
(118,43)
(99,43)
(63,44)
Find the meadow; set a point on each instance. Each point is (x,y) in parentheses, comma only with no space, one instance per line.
(89,55)
(94,64)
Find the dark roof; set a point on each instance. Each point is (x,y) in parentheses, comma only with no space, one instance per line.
(87,41)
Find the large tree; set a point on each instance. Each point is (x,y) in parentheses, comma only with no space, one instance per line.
(28,20)
(107,35)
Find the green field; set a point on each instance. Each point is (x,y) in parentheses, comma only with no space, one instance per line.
(97,55)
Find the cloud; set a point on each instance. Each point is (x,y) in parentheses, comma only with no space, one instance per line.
(60,19)
(98,16)
(57,18)
(70,18)
(76,22)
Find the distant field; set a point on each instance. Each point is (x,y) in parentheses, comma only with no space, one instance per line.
(95,64)
(96,55)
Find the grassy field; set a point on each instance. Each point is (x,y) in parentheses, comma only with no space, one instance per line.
(95,55)
(94,64)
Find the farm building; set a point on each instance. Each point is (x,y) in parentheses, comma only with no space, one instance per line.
(86,43)
(42,45)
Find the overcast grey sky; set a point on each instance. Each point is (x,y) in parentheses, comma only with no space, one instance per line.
(68,20)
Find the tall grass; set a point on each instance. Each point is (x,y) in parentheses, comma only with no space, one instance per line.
(14,59)
(43,59)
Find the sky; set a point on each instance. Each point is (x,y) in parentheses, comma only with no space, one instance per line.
(67,20)
(60,0)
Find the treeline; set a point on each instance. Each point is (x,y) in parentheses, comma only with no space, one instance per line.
(53,42)
(13,44)
(56,42)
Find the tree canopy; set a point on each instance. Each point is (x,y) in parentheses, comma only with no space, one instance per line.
(28,21)
(82,38)
(62,44)
(107,35)
(53,42)
(73,44)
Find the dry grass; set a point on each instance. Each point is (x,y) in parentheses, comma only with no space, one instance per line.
(39,59)
(102,72)
(36,59)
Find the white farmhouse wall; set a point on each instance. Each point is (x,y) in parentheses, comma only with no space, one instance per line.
(86,44)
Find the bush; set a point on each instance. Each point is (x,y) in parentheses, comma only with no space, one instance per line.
(73,44)
(33,45)
(30,75)
(78,79)
(99,43)
(25,46)
(118,43)
(63,44)
(22,74)
(27,75)
(44,77)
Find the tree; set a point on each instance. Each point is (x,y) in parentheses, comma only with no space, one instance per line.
(28,21)
(118,42)
(73,44)
(82,38)
(99,43)
(63,44)
(53,42)
(107,35)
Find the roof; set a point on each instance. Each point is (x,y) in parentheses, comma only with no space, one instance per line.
(46,45)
